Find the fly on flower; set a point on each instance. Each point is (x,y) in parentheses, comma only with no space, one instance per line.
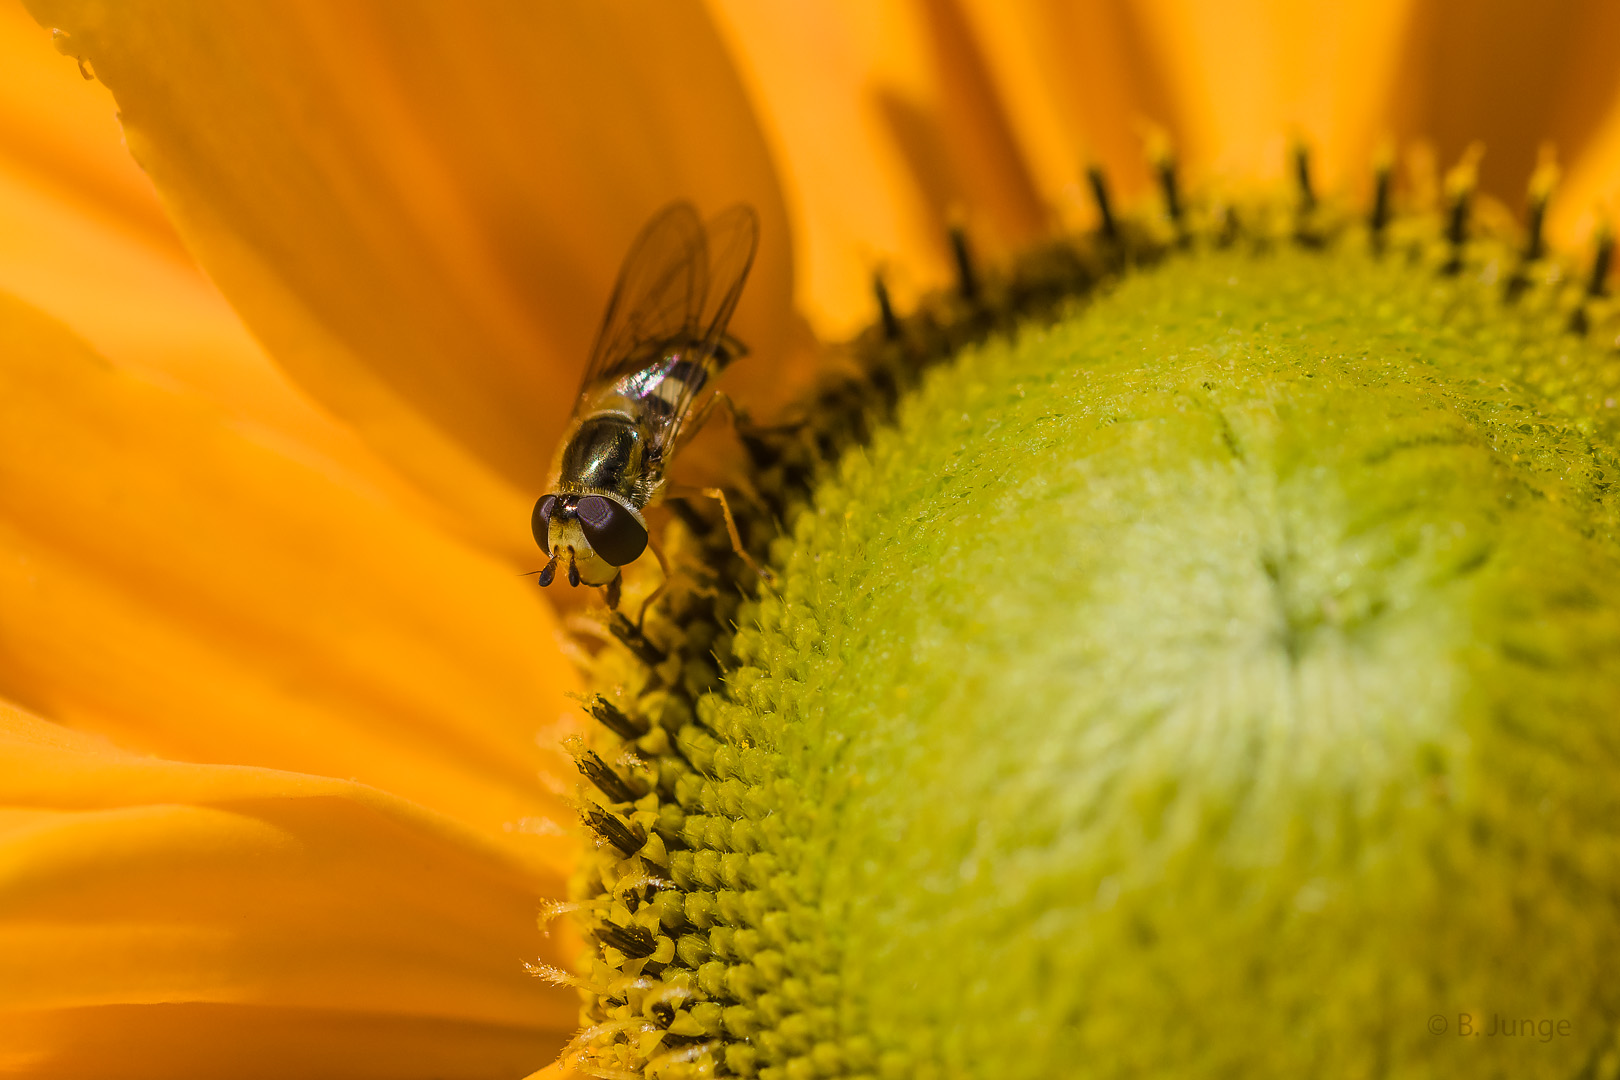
(662,341)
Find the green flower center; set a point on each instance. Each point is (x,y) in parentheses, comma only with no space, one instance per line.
(1221,678)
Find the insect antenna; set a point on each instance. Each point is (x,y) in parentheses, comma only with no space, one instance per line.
(573,570)
(548,572)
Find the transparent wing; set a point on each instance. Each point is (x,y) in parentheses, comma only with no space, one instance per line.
(733,238)
(658,298)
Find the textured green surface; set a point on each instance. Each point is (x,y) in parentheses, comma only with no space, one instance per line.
(1221,682)
(1218,682)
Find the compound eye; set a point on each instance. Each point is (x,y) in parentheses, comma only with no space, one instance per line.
(613,531)
(541,522)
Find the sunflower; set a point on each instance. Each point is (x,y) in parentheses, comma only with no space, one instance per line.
(283,725)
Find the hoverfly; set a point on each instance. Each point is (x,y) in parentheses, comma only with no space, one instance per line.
(662,341)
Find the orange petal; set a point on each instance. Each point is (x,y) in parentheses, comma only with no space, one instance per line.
(84,238)
(420,210)
(886,123)
(1585,126)
(1079,81)
(1513,75)
(175,920)
(1591,193)
(59,130)
(884,115)
(1246,77)
(202,591)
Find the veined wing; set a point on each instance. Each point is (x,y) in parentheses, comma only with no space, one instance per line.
(732,240)
(659,298)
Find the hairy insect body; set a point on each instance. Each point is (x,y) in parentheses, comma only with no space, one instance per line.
(661,343)
(606,455)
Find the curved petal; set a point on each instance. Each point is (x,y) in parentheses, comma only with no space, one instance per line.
(1245,77)
(420,209)
(1514,76)
(191,920)
(887,124)
(1586,126)
(892,113)
(84,238)
(1592,191)
(199,590)
(60,129)
(1080,81)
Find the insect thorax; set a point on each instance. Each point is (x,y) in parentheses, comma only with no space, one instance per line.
(607,453)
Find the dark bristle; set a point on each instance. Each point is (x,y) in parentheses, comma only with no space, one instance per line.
(967,279)
(631,637)
(615,720)
(1535,244)
(1378,219)
(1302,176)
(1457,230)
(1232,228)
(607,781)
(888,387)
(1543,182)
(891,324)
(635,942)
(629,839)
(1105,211)
(1170,189)
(1597,284)
(1457,224)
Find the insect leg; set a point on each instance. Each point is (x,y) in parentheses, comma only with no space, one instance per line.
(663,565)
(681,491)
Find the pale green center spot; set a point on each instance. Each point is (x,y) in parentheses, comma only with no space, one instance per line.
(1222,681)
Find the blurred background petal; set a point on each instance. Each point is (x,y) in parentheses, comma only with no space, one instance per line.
(1591,191)
(420,209)
(1244,78)
(84,238)
(887,125)
(1079,80)
(1517,75)
(175,920)
(208,593)
(890,119)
